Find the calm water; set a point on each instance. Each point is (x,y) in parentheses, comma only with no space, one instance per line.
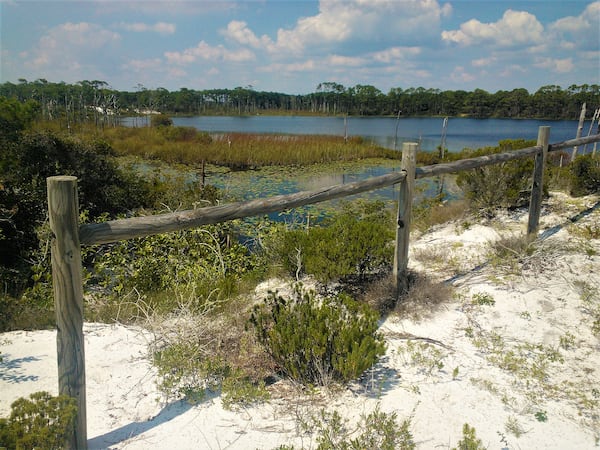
(461,133)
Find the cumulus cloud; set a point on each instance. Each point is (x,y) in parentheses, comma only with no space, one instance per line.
(238,31)
(211,53)
(582,31)
(349,22)
(159,27)
(515,28)
(554,64)
(70,45)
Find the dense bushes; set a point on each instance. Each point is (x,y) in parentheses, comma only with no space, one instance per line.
(355,241)
(504,185)
(317,341)
(585,175)
(42,421)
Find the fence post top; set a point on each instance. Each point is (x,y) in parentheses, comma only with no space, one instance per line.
(58,178)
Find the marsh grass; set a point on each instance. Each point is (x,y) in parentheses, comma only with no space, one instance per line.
(238,150)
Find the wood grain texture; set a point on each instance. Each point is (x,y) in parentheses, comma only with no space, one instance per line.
(537,188)
(405,200)
(68,297)
(116,230)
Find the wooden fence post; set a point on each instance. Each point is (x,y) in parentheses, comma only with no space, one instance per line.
(409,157)
(63,208)
(537,189)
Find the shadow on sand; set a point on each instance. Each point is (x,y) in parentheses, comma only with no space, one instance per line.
(131,430)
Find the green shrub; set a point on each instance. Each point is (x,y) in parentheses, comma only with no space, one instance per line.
(352,243)
(42,421)
(469,440)
(504,185)
(206,262)
(161,120)
(316,341)
(585,175)
(375,431)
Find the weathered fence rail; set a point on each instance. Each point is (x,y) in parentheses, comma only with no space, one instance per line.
(68,237)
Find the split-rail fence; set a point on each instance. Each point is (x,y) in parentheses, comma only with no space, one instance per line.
(69,235)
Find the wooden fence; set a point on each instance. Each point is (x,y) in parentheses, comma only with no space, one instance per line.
(68,236)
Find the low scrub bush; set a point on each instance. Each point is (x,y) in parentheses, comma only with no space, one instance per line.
(206,262)
(317,341)
(503,185)
(42,421)
(375,431)
(585,175)
(354,242)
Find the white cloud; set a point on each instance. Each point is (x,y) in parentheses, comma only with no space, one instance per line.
(140,65)
(69,45)
(395,54)
(580,31)
(515,28)
(239,32)
(364,22)
(163,28)
(208,52)
(484,62)
(554,64)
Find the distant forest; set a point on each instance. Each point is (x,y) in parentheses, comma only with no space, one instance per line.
(88,99)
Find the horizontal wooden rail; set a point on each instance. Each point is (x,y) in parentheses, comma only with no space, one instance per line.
(116,230)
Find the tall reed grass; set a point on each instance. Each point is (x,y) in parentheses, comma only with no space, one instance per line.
(238,150)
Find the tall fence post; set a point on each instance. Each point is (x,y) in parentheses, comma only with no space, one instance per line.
(537,189)
(409,158)
(63,208)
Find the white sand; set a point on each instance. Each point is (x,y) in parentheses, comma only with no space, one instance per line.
(458,379)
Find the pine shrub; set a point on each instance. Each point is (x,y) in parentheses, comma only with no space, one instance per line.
(317,341)
(42,421)
(585,175)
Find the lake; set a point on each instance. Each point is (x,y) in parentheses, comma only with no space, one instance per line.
(461,132)
(265,182)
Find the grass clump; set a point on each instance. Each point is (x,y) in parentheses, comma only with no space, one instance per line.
(318,341)
(42,421)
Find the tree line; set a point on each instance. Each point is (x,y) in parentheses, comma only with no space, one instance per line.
(96,100)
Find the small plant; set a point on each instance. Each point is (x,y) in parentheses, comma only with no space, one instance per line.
(378,430)
(541,416)
(483,299)
(42,421)
(316,341)
(567,341)
(455,373)
(513,427)
(585,175)
(425,356)
(469,440)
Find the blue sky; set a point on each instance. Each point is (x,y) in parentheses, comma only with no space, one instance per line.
(292,46)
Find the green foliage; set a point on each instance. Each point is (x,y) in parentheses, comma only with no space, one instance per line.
(205,262)
(469,440)
(40,422)
(504,185)
(585,175)
(15,116)
(316,341)
(26,162)
(375,431)
(354,242)
(185,371)
(161,120)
